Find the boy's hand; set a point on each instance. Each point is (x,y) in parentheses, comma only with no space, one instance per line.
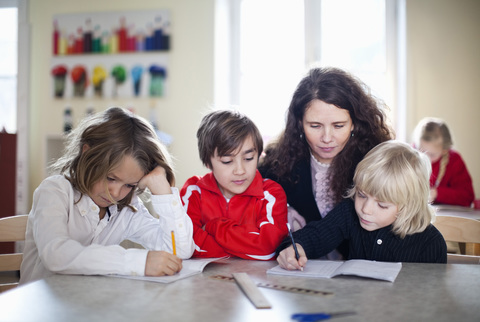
(156,181)
(162,263)
(286,259)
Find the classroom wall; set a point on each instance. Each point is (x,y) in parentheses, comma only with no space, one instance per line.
(190,79)
(443,68)
(443,75)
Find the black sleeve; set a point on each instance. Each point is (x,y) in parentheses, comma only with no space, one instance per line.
(318,238)
(298,188)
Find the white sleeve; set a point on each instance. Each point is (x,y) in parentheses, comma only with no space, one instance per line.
(173,217)
(156,234)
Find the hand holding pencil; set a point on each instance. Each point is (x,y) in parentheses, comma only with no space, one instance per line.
(163,263)
(293,257)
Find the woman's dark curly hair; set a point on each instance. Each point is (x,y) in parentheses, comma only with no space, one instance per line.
(337,87)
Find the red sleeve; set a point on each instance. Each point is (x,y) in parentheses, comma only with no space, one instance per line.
(456,187)
(205,244)
(258,237)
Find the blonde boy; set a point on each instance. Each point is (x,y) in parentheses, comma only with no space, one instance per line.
(386,216)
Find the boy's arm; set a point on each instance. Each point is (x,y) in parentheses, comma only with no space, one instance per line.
(205,244)
(261,235)
(435,250)
(320,237)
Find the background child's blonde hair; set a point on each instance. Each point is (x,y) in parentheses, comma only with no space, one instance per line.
(395,172)
(430,129)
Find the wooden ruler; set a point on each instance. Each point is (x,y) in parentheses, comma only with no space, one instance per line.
(277,287)
(251,291)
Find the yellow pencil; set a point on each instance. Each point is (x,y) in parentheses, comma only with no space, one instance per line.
(173,244)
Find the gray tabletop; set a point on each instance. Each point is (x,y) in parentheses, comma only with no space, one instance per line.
(421,292)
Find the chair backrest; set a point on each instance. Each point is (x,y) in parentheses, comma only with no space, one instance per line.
(462,230)
(11,229)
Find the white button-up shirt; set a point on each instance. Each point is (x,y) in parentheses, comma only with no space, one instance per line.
(65,234)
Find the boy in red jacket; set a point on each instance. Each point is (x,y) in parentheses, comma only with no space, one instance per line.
(235,212)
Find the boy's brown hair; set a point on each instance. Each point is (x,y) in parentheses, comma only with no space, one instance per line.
(225,131)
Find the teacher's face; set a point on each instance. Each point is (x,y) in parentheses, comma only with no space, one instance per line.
(327,129)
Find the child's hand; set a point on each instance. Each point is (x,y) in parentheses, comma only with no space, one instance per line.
(162,263)
(156,181)
(433,195)
(287,259)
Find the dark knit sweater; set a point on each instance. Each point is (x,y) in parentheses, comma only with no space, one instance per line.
(320,237)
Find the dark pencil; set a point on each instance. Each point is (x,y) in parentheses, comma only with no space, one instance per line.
(297,255)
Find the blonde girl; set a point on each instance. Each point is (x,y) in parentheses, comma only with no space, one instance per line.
(450,182)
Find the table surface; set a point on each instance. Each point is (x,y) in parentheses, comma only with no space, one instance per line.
(457,211)
(437,292)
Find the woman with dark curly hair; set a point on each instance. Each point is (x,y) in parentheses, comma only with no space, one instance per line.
(332,122)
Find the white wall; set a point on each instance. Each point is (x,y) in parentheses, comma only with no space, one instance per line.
(443,76)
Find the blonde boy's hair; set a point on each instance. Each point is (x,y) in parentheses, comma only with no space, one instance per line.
(395,172)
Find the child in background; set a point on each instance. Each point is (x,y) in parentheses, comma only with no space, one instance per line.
(80,216)
(235,212)
(450,182)
(385,217)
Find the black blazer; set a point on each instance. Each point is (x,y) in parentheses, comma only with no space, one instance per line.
(300,192)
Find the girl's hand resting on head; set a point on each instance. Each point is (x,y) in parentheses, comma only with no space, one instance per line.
(286,259)
(162,263)
(156,181)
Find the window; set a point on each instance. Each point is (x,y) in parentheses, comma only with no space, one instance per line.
(8,69)
(14,78)
(273,43)
(272,51)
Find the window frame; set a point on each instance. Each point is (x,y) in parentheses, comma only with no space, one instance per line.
(23,70)
(227,55)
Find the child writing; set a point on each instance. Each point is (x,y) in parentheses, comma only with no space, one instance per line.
(235,212)
(450,182)
(385,217)
(80,216)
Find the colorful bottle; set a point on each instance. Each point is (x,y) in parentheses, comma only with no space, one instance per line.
(62,44)
(88,37)
(114,42)
(56,36)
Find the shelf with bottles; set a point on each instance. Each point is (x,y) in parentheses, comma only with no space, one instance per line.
(111,33)
(110,54)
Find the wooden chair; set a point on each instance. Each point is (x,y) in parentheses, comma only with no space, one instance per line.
(461,230)
(11,229)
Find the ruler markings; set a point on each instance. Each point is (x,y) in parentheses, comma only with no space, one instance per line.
(277,287)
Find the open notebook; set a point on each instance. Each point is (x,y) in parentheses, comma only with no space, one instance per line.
(190,267)
(359,267)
